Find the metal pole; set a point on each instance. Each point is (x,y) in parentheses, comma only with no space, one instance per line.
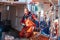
(54,12)
(59,16)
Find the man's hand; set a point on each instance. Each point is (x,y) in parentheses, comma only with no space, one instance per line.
(22,24)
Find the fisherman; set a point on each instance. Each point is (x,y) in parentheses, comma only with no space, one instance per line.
(30,16)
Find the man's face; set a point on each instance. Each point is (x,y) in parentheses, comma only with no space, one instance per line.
(25,11)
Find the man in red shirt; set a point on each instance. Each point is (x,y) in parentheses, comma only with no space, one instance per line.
(29,23)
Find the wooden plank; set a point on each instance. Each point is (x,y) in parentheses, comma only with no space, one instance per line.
(39,37)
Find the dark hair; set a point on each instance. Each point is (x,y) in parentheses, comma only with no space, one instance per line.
(25,8)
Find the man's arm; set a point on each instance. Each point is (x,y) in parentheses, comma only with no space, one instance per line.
(22,22)
(34,17)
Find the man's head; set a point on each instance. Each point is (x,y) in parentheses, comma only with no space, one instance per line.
(26,11)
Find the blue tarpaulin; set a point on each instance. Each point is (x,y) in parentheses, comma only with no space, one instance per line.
(45,28)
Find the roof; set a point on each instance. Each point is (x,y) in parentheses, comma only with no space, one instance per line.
(12,3)
(46,1)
